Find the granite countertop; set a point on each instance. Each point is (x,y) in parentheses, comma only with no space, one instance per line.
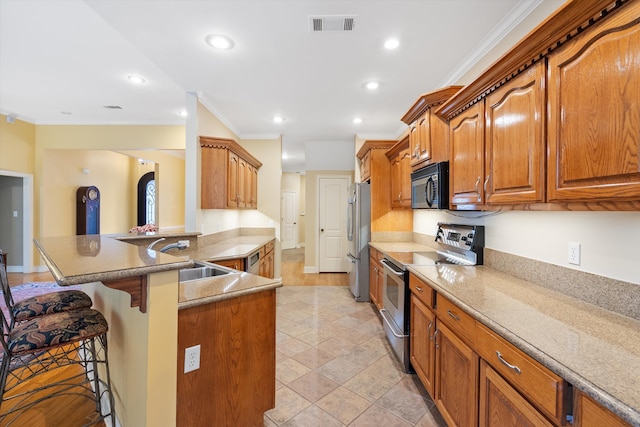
(213,289)
(596,350)
(75,260)
(400,247)
(235,247)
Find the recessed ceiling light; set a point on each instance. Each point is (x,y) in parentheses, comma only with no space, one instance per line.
(136,79)
(357,120)
(391,44)
(372,85)
(278,119)
(219,41)
(285,156)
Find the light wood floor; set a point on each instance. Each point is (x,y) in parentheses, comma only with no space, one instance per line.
(293,272)
(19,278)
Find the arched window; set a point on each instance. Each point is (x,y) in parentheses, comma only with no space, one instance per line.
(147,199)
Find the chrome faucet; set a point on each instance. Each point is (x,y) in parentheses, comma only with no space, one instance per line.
(179,245)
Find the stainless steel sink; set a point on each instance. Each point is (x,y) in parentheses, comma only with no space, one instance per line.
(202,270)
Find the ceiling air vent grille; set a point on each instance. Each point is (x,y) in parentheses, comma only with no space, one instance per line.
(112,107)
(332,23)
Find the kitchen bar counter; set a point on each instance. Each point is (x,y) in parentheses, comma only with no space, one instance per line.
(235,247)
(596,350)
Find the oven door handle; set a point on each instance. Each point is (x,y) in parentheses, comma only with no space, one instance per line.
(392,267)
(386,316)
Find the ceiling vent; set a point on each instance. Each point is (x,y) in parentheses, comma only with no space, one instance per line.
(112,107)
(331,23)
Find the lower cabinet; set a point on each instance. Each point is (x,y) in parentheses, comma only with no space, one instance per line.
(588,413)
(422,348)
(376,277)
(456,388)
(266,260)
(236,381)
(502,405)
(236,264)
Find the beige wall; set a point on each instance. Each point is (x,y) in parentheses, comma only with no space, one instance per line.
(311,217)
(17,146)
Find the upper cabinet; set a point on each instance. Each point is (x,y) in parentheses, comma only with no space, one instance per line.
(428,135)
(594,113)
(400,159)
(556,119)
(229,175)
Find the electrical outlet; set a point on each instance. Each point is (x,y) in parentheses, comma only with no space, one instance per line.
(184,242)
(191,358)
(574,253)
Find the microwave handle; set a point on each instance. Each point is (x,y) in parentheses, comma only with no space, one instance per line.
(429,189)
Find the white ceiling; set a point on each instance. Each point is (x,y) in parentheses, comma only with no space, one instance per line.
(61,62)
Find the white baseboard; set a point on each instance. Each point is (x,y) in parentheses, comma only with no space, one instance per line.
(310,270)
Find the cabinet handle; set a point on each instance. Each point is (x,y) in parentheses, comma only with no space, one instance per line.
(486,181)
(435,339)
(418,288)
(507,364)
(416,151)
(478,188)
(399,196)
(429,331)
(452,314)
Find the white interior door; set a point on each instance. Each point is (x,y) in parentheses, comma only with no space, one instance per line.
(332,241)
(289,219)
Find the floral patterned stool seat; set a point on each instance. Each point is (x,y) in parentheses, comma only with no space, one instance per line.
(50,343)
(49,303)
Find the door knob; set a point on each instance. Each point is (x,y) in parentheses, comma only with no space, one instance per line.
(322,230)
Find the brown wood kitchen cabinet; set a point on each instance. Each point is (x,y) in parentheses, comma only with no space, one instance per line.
(376,277)
(376,169)
(428,134)
(266,260)
(594,114)
(400,159)
(514,140)
(236,263)
(572,146)
(236,382)
(588,413)
(423,325)
(228,175)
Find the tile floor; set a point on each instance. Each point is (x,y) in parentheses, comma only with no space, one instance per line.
(334,366)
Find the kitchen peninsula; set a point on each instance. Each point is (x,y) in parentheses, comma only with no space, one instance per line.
(139,293)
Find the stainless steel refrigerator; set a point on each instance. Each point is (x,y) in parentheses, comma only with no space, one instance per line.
(359,234)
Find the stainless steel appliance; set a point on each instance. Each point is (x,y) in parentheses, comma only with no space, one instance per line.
(358,235)
(458,244)
(430,187)
(253,263)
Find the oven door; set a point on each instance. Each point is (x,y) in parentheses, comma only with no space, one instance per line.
(394,294)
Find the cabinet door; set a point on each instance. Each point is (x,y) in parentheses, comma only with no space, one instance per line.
(373,279)
(243,181)
(514,143)
(594,113)
(589,413)
(365,167)
(466,137)
(213,178)
(254,187)
(233,190)
(439,139)
(422,349)
(405,178)
(456,388)
(414,141)
(424,135)
(501,405)
(396,182)
(236,264)
(379,286)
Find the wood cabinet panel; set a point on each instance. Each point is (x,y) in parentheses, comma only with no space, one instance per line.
(229,175)
(515,144)
(541,386)
(589,413)
(462,323)
(466,139)
(501,405)
(235,384)
(400,158)
(594,114)
(422,348)
(456,394)
(236,264)
(422,291)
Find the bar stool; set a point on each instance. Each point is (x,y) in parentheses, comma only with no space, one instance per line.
(54,344)
(49,303)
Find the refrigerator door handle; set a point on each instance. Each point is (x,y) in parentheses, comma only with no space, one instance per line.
(350,221)
(352,258)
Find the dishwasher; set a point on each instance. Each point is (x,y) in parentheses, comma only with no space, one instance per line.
(253,263)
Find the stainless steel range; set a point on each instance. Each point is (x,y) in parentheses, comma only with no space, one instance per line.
(458,244)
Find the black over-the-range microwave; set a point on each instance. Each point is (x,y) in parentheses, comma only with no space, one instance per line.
(430,187)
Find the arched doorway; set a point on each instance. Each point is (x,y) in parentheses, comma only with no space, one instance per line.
(147,199)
